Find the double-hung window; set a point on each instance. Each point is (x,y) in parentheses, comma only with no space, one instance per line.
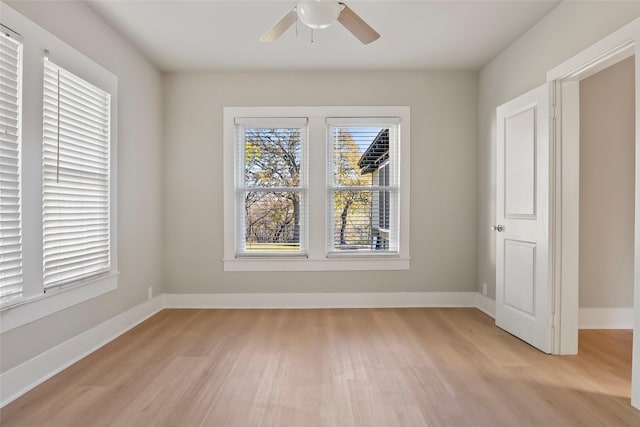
(363,187)
(10,168)
(316,188)
(271,180)
(76,165)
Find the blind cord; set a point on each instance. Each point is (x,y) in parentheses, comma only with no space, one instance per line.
(58,133)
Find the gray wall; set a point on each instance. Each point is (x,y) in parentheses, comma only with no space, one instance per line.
(607,190)
(565,31)
(139,178)
(443,171)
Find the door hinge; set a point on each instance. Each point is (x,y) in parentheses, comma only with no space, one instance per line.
(553,112)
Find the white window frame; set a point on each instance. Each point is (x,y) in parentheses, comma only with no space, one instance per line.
(318,259)
(35,303)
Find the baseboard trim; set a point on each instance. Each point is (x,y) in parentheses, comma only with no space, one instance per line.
(19,380)
(322,300)
(590,318)
(605,318)
(486,305)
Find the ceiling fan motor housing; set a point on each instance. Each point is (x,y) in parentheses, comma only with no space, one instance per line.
(318,14)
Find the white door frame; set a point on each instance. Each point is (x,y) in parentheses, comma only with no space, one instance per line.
(564,179)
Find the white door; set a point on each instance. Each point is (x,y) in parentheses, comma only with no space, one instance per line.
(523,305)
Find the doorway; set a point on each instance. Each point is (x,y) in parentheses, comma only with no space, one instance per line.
(565,177)
(606,205)
(606,228)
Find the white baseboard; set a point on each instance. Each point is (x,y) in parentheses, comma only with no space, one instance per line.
(590,318)
(19,380)
(605,318)
(322,300)
(486,305)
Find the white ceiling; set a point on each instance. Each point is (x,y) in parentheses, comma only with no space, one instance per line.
(223,35)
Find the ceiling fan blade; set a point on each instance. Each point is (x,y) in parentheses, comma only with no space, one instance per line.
(280,27)
(356,25)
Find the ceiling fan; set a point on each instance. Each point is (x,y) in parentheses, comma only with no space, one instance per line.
(319,14)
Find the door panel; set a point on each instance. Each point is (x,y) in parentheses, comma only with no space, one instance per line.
(520,164)
(522,229)
(519,275)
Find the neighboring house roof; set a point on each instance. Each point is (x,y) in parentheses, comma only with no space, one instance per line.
(376,154)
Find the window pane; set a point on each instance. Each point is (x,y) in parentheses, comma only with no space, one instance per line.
(361,216)
(272,221)
(383,198)
(361,220)
(272,157)
(357,152)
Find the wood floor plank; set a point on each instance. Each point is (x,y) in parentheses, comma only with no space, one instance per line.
(339,367)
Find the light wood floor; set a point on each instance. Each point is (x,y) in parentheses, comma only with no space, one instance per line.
(362,367)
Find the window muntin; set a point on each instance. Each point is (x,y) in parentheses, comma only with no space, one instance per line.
(76,178)
(363,188)
(271,193)
(10,165)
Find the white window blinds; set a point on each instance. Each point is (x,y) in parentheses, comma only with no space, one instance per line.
(271,187)
(76,147)
(10,208)
(363,186)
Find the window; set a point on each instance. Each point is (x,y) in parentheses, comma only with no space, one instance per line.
(76,146)
(271,187)
(10,206)
(316,188)
(58,200)
(363,193)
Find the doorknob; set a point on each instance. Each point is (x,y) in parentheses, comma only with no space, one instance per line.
(499,228)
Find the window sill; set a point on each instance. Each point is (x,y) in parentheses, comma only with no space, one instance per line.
(333,264)
(26,310)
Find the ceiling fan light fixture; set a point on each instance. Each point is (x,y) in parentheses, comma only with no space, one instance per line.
(318,14)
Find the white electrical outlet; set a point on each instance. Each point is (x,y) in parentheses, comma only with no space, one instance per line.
(484,289)
(150,293)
